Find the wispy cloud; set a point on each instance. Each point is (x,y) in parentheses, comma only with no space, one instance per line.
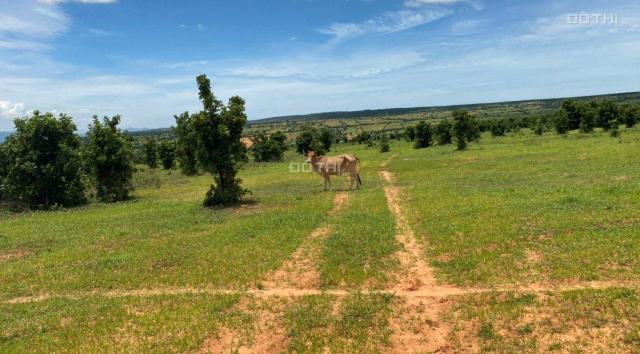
(11,110)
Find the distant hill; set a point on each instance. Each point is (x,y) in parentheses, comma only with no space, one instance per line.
(549,103)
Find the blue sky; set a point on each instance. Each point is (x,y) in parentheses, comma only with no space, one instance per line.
(139,58)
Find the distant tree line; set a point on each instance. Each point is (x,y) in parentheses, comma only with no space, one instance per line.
(462,130)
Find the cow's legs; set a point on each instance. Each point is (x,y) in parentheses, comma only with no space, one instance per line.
(324,183)
(351,179)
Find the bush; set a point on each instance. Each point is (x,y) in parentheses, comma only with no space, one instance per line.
(539,126)
(424,135)
(325,136)
(443,132)
(630,115)
(608,114)
(186,144)
(219,129)
(151,153)
(268,148)
(309,139)
(167,153)
(410,133)
(465,129)
(587,122)
(499,128)
(109,159)
(4,164)
(561,123)
(384,144)
(44,166)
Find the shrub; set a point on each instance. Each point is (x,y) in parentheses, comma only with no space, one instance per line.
(410,133)
(219,130)
(109,159)
(539,126)
(309,139)
(629,115)
(325,136)
(587,122)
(44,166)
(443,132)
(186,144)
(608,114)
(465,129)
(167,153)
(498,127)
(561,122)
(268,148)
(151,153)
(424,135)
(384,144)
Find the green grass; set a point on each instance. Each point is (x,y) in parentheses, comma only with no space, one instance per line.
(359,326)
(152,325)
(573,321)
(162,238)
(572,202)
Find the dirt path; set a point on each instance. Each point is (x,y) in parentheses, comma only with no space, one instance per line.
(301,272)
(415,323)
(298,273)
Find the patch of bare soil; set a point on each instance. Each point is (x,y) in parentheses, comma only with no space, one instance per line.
(268,334)
(13,255)
(415,323)
(417,326)
(300,271)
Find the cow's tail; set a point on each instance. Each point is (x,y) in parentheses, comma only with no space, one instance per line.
(359,180)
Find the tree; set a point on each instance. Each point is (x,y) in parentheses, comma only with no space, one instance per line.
(281,139)
(384,144)
(424,135)
(151,153)
(109,159)
(167,153)
(4,164)
(608,114)
(410,133)
(561,122)
(630,115)
(443,132)
(326,138)
(498,127)
(587,121)
(268,148)
(573,112)
(186,144)
(465,129)
(309,139)
(44,166)
(539,126)
(220,152)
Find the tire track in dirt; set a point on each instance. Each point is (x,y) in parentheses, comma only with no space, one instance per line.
(415,322)
(299,272)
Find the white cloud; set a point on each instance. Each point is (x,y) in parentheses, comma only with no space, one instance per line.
(11,110)
(388,22)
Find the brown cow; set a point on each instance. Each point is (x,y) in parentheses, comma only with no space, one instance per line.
(327,166)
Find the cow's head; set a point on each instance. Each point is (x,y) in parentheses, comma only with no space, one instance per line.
(311,155)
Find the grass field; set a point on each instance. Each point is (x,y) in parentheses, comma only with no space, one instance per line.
(534,239)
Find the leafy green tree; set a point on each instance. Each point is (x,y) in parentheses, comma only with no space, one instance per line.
(443,132)
(220,151)
(630,115)
(465,129)
(574,112)
(44,167)
(186,144)
(167,153)
(309,139)
(384,144)
(587,121)
(498,127)
(561,122)
(109,159)
(410,133)
(539,126)
(424,135)
(608,114)
(4,165)
(268,148)
(325,136)
(281,139)
(151,153)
